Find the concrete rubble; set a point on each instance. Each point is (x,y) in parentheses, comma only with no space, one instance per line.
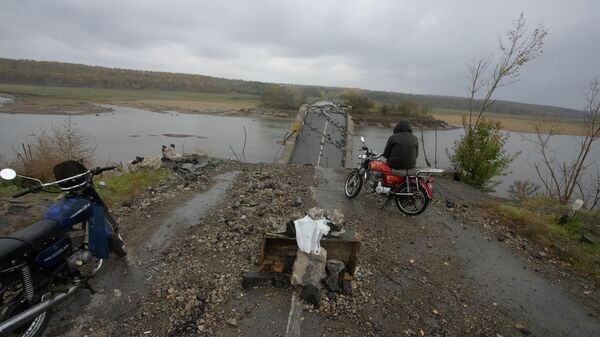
(311,272)
(188,165)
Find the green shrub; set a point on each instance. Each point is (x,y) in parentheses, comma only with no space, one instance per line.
(479,155)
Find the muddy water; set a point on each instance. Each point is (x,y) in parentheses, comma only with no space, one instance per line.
(126,133)
(521,168)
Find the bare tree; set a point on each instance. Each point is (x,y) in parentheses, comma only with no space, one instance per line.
(520,48)
(560,179)
(479,154)
(522,190)
(594,200)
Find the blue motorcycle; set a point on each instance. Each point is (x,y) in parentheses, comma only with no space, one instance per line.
(46,262)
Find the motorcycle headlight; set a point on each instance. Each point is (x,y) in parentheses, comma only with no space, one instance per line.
(362,156)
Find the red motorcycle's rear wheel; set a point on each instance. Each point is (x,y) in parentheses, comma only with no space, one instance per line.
(414,204)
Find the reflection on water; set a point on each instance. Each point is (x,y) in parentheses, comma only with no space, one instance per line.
(126,133)
(520,169)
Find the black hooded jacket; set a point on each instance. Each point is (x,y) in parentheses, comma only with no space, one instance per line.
(402,147)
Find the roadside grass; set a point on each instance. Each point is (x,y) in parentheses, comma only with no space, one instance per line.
(97,95)
(537,220)
(127,185)
(7,188)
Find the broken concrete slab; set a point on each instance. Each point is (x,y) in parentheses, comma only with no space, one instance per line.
(309,269)
(335,267)
(332,283)
(347,287)
(316,213)
(257,279)
(311,295)
(281,280)
(145,164)
(336,219)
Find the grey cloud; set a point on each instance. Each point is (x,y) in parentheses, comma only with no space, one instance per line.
(417,47)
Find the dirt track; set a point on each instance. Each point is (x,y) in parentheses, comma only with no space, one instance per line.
(442,273)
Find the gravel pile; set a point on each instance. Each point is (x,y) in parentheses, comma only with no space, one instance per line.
(202,269)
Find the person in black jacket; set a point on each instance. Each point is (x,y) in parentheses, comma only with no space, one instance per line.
(402,147)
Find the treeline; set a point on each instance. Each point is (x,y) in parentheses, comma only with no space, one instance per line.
(362,104)
(291,97)
(288,97)
(460,103)
(272,95)
(79,75)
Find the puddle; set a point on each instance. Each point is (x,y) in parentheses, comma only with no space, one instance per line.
(190,212)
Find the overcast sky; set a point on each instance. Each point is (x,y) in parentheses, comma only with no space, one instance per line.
(419,47)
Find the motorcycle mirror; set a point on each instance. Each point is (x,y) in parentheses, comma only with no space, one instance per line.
(362,139)
(8,174)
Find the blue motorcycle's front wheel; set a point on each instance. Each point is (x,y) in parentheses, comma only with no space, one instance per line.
(115,240)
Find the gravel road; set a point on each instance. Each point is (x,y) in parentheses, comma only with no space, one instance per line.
(442,273)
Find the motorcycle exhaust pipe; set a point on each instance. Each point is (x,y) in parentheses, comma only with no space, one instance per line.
(29,314)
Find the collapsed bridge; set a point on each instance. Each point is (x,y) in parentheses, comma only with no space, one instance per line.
(321,136)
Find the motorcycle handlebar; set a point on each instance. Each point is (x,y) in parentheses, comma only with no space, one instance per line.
(99,170)
(32,189)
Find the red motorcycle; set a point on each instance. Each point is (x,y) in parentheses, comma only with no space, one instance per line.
(412,190)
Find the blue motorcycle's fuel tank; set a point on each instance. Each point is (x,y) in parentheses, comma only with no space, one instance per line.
(55,254)
(70,210)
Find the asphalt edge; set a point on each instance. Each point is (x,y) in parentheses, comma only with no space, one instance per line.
(289,143)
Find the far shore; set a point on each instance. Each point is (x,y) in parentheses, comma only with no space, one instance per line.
(523,124)
(249,108)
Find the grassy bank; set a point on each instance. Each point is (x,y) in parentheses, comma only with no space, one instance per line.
(110,95)
(576,243)
(563,126)
(51,99)
(128,185)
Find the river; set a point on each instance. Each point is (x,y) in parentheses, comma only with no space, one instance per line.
(127,132)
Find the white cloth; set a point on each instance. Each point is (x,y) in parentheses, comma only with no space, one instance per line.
(309,233)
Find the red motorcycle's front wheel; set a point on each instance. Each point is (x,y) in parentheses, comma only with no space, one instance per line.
(353,184)
(413,204)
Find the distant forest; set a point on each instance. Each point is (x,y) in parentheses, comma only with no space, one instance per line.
(79,75)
